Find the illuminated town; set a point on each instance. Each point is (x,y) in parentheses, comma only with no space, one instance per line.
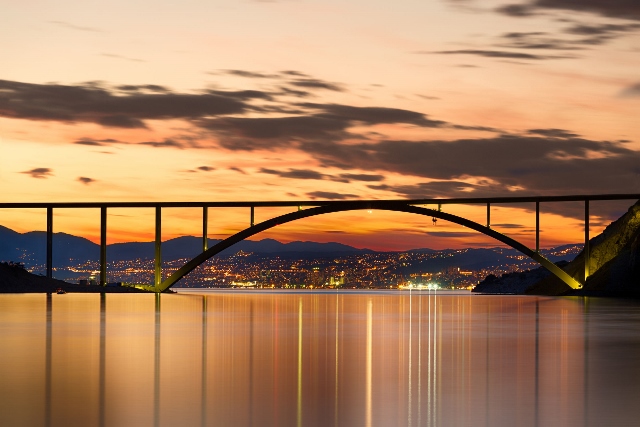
(378,270)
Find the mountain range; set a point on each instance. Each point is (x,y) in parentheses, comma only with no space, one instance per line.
(68,250)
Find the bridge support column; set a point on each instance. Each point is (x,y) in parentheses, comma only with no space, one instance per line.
(537,226)
(488,215)
(587,255)
(50,242)
(205,228)
(103,246)
(253,216)
(158,254)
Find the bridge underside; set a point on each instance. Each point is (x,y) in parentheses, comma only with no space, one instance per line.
(382,205)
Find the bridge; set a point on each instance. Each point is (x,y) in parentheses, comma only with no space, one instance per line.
(305,209)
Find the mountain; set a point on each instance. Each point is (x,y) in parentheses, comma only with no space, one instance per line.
(30,248)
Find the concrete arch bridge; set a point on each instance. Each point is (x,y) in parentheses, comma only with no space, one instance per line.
(307,209)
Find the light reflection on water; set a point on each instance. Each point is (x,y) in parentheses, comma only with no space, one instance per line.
(234,358)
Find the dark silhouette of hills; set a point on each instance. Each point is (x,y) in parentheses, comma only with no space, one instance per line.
(30,248)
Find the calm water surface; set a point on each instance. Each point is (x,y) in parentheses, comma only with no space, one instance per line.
(394,358)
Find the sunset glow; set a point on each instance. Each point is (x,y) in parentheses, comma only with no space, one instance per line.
(307,100)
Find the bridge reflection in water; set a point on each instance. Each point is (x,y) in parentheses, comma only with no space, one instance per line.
(413,358)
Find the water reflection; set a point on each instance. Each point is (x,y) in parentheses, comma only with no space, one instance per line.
(318,359)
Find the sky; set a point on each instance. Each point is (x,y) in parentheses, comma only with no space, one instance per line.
(242,100)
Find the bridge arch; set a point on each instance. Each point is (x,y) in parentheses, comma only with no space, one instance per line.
(321,210)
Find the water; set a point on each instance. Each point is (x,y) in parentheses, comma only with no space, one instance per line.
(241,358)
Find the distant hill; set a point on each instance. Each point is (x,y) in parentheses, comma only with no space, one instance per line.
(30,248)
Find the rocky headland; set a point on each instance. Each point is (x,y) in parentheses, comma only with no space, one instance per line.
(15,279)
(614,266)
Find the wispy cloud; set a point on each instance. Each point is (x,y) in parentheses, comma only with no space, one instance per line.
(76,27)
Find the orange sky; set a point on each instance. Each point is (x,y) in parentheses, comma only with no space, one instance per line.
(297,100)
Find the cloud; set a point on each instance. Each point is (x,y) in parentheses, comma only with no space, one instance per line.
(76,27)
(110,107)
(517,10)
(295,173)
(316,84)
(553,133)
(85,180)
(96,142)
(362,177)
(330,195)
(325,122)
(206,168)
(503,165)
(631,91)
(535,40)
(249,74)
(624,9)
(498,54)
(168,142)
(41,173)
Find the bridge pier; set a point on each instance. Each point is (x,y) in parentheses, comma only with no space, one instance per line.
(50,242)
(587,255)
(103,246)
(205,228)
(158,251)
(538,227)
(488,215)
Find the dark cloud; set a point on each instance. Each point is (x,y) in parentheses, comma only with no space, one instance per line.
(553,133)
(249,74)
(39,173)
(504,165)
(374,115)
(206,168)
(362,177)
(602,29)
(625,9)
(295,173)
(93,103)
(294,73)
(430,189)
(498,54)
(329,122)
(143,88)
(293,92)
(631,91)
(507,225)
(516,10)
(535,40)
(85,180)
(330,195)
(233,168)
(96,142)
(316,84)
(167,143)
